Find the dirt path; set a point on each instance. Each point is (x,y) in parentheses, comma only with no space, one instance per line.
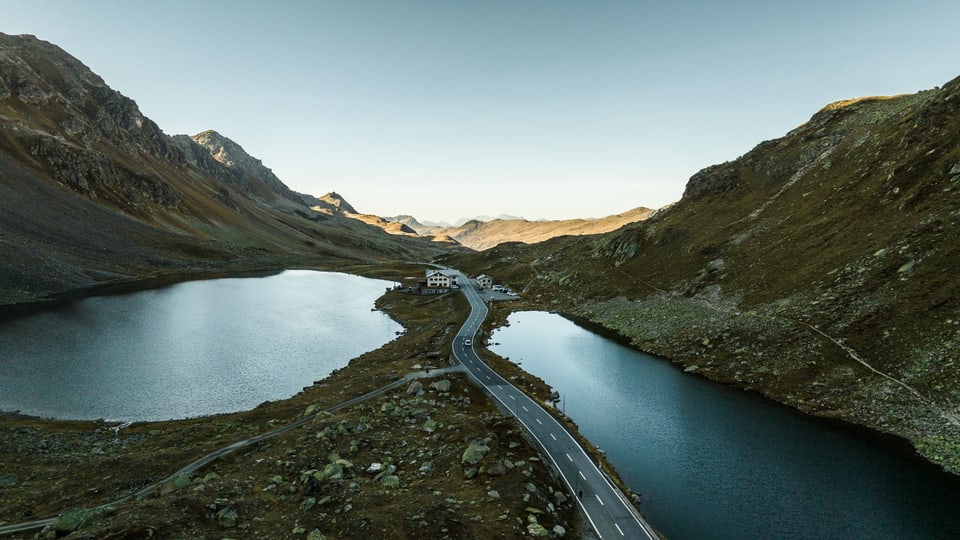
(216,454)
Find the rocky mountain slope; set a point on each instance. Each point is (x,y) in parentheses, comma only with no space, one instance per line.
(818,269)
(93,192)
(480,235)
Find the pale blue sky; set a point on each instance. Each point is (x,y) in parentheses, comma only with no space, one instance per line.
(546,109)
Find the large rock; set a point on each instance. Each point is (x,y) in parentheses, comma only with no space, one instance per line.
(475,452)
(415,388)
(227,517)
(74,520)
(442,385)
(390,481)
(537,530)
(497,469)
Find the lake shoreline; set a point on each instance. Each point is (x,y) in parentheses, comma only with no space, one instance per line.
(896,449)
(191,349)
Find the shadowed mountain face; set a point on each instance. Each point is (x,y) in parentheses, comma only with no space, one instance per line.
(819,269)
(91,191)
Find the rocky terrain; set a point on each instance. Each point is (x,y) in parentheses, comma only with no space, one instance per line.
(484,234)
(92,192)
(817,269)
(431,459)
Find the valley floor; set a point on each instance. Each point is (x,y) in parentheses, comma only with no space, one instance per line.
(318,479)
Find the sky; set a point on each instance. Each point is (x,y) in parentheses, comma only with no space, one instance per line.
(543,109)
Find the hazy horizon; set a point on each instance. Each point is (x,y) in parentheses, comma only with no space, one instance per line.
(446,110)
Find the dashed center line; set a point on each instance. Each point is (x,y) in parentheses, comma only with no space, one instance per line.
(581,475)
(538,421)
(552,436)
(570,458)
(619,529)
(599,499)
(525,408)
(513,397)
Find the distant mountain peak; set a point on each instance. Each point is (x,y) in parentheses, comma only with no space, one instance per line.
(225,150)
(338,203)
(253,177)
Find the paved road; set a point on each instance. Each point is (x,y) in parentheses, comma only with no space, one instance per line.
(604,505)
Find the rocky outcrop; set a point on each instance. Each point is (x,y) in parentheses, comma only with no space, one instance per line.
(475,452)
(71,99)
(243,171)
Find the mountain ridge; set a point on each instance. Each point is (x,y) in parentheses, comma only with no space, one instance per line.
(816,269)
(481,235)
(79,158)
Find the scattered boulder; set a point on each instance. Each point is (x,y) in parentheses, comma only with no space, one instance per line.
(475,452)
(390,481)
(227,517)
(537,530)
(316,535)
(9,480)
(442,385)
(430,425)
(415,388)
(497,469)
(177,483)
(74,520)
(558,531)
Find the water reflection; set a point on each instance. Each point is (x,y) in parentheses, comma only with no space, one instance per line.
(191,349)
(712,462)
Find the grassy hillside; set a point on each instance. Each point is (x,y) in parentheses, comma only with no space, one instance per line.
(93,192)
(818,269)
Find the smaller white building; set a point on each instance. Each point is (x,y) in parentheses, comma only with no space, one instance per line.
(484,281)
(437,279)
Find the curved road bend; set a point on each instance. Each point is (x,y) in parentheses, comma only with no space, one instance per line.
(605,506)
(193,466)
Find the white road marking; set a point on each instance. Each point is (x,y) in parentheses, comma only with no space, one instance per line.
(538,421)
(525,408)
(513,397)
(581,475)
(570,458)
(599,499)
(619,529)
(553,437)
(488,378)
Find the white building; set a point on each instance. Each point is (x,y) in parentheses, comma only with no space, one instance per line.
(484,281)
(437,279)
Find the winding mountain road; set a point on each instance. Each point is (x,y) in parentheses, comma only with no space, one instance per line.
(605,506)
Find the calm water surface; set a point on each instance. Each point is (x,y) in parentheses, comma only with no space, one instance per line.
(191,349)
(713,462)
